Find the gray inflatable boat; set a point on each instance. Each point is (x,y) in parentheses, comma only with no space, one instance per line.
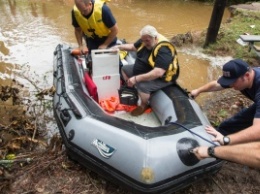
(142,158)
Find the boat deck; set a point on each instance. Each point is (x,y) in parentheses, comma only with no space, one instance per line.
(146,119)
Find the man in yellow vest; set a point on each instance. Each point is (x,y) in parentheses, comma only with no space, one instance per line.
(94,21)
(156,65)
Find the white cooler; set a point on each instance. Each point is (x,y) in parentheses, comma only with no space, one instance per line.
(105,72)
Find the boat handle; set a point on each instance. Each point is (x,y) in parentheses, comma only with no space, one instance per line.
(65,116)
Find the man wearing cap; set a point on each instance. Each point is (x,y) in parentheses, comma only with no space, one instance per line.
(244,126)
(156,65)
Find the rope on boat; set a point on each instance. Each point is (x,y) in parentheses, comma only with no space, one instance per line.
(211,142)
(62,93)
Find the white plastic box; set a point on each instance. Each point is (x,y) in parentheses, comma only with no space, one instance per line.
(105,72)
(104,61)
(107,85)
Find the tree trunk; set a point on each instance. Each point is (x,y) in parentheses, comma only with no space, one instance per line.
(215,21)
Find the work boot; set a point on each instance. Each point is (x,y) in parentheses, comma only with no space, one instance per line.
(138,111)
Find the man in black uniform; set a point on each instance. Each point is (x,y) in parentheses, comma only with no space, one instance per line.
(156,65)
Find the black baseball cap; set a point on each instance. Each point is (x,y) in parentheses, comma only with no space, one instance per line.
(232,70)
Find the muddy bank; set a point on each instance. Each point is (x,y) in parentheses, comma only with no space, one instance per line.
(41,166)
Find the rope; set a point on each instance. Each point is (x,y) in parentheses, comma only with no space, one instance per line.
(193,133)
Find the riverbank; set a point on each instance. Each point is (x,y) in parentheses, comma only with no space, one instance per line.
(244,19)
(40,166)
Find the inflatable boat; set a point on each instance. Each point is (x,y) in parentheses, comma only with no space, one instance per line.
(145,157)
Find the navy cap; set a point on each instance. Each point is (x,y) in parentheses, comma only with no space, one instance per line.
(232,70)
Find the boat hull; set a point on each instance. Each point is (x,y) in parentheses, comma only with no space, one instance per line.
(144,159)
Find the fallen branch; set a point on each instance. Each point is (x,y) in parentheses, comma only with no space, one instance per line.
(27,160)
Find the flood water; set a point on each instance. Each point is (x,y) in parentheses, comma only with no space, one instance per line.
(31,29)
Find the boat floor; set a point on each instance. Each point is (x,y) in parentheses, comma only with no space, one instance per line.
(146,119)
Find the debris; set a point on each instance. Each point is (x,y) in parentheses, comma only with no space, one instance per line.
(27,160)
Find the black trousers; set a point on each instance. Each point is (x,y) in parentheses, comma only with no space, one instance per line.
(239,121)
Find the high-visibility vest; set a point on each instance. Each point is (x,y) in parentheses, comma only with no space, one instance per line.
(94,25)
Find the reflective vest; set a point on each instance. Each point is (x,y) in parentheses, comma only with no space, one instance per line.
(173,69)
(94,25)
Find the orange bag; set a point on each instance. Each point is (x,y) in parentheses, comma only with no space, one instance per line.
(112,104)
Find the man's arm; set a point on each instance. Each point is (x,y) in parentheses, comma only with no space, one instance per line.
(151,75)
(247,135)
(246,154)
(125,47)
(209,87)
(110,22)
(79,36)
(112,35)
(78,32)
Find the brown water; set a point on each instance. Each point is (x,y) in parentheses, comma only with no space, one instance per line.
(31,29)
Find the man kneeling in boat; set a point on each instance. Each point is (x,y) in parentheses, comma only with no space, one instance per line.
(156,65)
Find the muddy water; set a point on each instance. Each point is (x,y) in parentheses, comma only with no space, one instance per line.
(31,29)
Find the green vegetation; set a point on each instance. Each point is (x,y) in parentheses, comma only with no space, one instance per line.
(242,21)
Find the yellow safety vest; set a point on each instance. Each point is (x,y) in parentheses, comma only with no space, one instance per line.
(94,25)
(173,68)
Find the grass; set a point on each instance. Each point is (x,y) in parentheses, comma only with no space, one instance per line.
(229,32)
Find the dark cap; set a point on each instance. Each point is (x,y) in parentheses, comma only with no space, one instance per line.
(232,70)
